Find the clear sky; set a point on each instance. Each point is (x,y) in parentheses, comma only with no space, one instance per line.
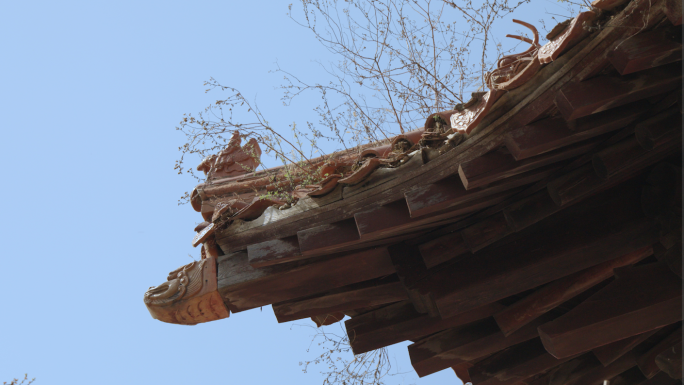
(90,93)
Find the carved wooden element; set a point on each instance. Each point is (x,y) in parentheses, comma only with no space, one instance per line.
(189,296)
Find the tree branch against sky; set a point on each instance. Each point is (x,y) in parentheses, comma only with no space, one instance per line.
(396,62)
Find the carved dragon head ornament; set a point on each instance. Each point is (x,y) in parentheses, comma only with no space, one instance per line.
(184,280)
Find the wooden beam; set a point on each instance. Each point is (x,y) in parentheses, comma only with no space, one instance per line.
(584,181)
(663,190)
(541,301)
(661,379)
(486,232)
(401,322)
(598,94)
(607,354)
(364,294)
(673,10)
(394,218)
(497,165)
(672,257)
(274,252)
(598,374)
(569,371)
(443,249)
(647,361)
(410,268)
(322,239)
(659,129)
(514,364)
(466,343)
(244,287)
(530,210)
(647,50)
(597,230)
(641,298)
(629,154)
(553,133)
(449,192)
(670,361)
(461,371)
(631,376)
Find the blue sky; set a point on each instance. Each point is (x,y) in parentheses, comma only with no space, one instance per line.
(90,93)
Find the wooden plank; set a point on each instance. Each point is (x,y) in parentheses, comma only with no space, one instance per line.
(602,228)
(672,257)
(631,376)
(663,191)
(647,50)
(465,343)
(569,371)
(530,210)
(602,93)
(486,232)
(543,300)
(401,322)
(496,165)
(641,299)
(244,287)
(461,371)
(584,181)
(655,131)
(394,218)
(410,268)
(274,252)
(598,374)
(607,354)
(325,238)
(670,361)
(514,364)
(443,249)
(673,10)
(553,133)
(364,294)
(647,361)
(628,154)
(661,379)
(450,192)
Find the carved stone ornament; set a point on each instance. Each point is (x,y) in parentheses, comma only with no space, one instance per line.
(189,296)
